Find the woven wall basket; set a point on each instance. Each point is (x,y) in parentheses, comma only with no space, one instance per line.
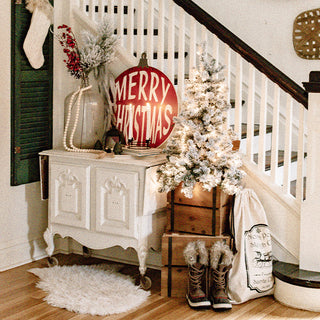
(306,34)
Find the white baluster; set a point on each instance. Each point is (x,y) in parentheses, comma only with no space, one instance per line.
(263,124)
(288,146)
(110,13)
(82,5)
(130,27)
(140,28)
(96,10)
(250,113)
(161,29)
(150,28)
(120,22)
(215,50)
(275,134)
(193,45)
(181,59)
(204,36)
(91,9)
(301,151)
(101,9)
(171,32)
(238,97)
(227,74)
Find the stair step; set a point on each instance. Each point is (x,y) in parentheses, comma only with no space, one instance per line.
(155,32)
(256,130)
(294,157)
(165,55)
(293,185)
(291,273)
(295,287)
(105,9)
(233,103)
(280,171)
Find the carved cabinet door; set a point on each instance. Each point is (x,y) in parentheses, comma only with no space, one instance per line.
(70,203)
(116,201)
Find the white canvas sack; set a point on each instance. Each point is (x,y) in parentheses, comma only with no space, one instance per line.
(251,273)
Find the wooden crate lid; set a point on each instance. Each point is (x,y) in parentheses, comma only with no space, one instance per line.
(201,197)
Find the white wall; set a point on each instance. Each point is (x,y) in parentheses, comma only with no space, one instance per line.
(266,26)
(22,214)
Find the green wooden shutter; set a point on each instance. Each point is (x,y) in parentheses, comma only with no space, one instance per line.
(31,101)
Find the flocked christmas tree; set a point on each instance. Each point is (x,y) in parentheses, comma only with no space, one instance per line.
(200,148)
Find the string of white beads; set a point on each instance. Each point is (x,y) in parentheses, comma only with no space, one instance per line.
(72,147)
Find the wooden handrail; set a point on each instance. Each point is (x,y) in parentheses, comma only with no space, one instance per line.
(250,55)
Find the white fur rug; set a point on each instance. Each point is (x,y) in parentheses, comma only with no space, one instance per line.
(95,290)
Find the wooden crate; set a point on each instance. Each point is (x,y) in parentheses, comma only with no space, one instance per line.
(205,213)
(174,281)
(174,271)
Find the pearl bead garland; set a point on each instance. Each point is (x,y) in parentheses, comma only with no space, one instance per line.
(72,147)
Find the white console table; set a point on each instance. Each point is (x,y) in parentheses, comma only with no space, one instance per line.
(105,202)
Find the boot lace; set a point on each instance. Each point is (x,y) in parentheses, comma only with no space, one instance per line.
(196,276)
(219,278)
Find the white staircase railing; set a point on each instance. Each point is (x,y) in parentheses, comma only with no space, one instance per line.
(270,122)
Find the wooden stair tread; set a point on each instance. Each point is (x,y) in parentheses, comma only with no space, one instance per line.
(293,185)
(233,102)
(290,273)
(255,132)
(165,55)
(294,157)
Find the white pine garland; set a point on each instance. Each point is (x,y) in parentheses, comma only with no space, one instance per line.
(98,50)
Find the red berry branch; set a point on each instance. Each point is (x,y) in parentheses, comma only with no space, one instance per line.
(68,41)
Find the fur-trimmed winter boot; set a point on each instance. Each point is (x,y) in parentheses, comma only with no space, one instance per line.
(221,258)
(197,257)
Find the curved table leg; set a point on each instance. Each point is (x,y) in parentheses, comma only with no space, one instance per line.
(142,256)
(48,238)
(145,282)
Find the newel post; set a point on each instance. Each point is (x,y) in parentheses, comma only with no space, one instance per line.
(310,210)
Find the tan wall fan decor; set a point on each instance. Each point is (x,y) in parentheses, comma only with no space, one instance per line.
(306,34)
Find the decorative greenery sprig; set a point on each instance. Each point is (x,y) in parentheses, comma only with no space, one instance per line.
(97,50)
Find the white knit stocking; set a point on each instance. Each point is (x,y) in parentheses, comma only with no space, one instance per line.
(42,17)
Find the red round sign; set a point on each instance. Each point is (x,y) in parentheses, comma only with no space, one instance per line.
(146,103)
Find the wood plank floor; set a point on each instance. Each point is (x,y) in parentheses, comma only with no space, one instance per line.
(21,300)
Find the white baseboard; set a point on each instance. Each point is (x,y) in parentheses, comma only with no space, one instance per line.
(283,215)
(281,253)
(17,254)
